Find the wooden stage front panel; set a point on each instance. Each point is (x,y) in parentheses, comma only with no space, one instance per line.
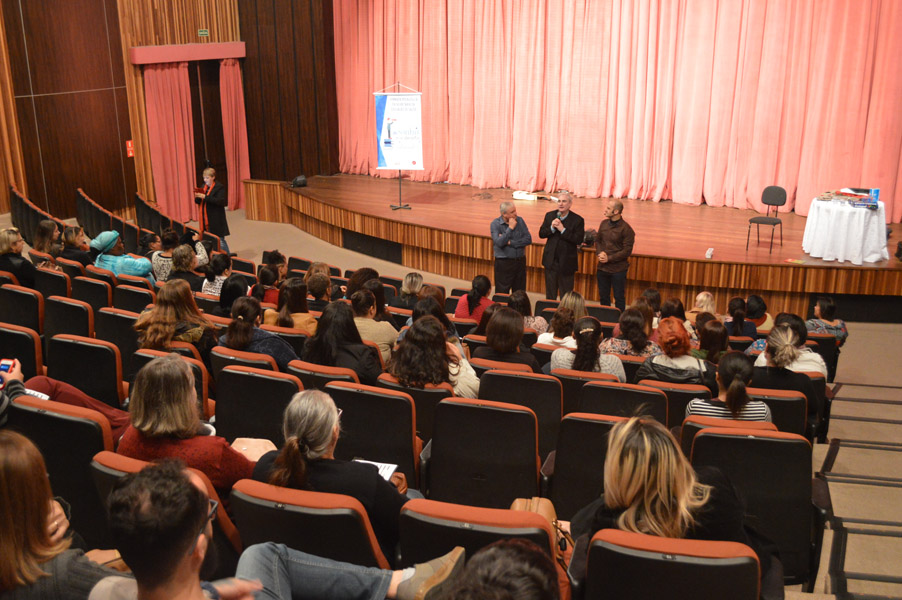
(447,232)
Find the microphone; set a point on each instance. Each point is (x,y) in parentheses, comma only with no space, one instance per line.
(558,214)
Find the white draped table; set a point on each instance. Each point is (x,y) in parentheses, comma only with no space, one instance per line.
(836,230)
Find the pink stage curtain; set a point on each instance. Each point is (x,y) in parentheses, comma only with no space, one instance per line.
(234,130)
(699,101)
(170,131)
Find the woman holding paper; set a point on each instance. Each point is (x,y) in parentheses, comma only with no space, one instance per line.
(307,462)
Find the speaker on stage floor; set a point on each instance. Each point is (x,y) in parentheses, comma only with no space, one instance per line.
(299,181)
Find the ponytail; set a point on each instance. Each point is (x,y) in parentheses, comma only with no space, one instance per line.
(481,288)
(245,312)
(735,370)
(737,397)
(290,466)
(587,332)
(737,312)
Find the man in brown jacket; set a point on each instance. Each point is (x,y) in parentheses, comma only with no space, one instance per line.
(613,245)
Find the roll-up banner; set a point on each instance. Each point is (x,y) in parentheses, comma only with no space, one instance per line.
(399,131)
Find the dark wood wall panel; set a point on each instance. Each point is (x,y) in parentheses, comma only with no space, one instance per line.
(71,105)
(206,107)
(289,87)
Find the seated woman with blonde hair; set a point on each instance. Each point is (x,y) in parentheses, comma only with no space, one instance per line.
(704,302)
(650,488)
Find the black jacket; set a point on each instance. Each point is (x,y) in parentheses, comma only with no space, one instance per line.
(19,266)
(215,203)
(564,246)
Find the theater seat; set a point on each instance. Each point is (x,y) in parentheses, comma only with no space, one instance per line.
(250,402)
(23,344)
(93,366)
(425,399)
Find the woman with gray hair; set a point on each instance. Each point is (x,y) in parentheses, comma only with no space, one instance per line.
(307,462)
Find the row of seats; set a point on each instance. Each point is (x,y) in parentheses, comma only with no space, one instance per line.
(150,219)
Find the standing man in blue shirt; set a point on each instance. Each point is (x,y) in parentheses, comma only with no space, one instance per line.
(510,237)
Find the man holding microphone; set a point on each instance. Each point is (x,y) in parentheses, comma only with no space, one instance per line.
(564,231)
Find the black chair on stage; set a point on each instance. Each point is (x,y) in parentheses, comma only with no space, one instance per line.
(773,196)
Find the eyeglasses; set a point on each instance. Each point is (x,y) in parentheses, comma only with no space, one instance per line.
(214,505)
(15,229)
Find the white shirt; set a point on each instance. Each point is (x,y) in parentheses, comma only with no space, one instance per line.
(808,361)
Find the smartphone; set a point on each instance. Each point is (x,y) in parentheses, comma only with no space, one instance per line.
(6,365)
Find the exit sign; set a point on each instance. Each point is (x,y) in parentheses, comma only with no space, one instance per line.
(203,33)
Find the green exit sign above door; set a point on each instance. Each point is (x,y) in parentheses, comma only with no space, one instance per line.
(203,33)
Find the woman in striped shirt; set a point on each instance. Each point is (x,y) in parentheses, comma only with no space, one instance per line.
(734,373)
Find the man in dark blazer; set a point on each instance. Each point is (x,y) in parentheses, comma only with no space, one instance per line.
(213,202)
(564,231)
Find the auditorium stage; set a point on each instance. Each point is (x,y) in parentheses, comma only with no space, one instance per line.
(446,231)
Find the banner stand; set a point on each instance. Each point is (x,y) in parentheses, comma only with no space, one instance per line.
(399,133)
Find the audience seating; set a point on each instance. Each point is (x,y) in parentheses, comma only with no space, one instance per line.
(377,424)
(244,266)
(695,423)
(65,315)
(631,365)
(397,282)
(118,327)
(483,453)
(572,383)
(23,306)
(501,298)
(543,304)
(821,413)
(451,305)
(772,472)
(623,564)
(374,348)
(222,357)
(52,283)
(132,298)
(607,329)
(107,467)
(530,337)
(827,348)
(301,264)
(72,268)
(132,280)
(473,342)
(206,302)
(458,292)
(201,376)
(315,376)
(186,349)
(574,475)
(678,397)
(67,436)
(221,323)
(463,326)
(622,400)
(94,366)
(430,528)
(540,393)
(24,344)
(543,352)
(482,365)
(250,278)
(788,409)
(608,314)
(102,275)
(547,314)
(399,316)
(250,402)
(99,294)
(740,342)
(39,258)
(295,337)
(425,400)
(7,277)
(328,525)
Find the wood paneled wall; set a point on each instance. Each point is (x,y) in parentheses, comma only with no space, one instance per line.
(70,102)
(161,22)
(12,163)
(289,88)
(462,255)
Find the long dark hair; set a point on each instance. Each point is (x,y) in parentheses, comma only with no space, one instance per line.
(234,287)
(292,299)
(378,290)
(336,329)
(430,306)
(487,315)
(713,338)
(245,312)
(735,370)
(422,356)
(505,331)
(632,328)
(673,307)
(358,278)
(587,332)
(481,288)
(736,308)
(219,264)
(268,277)
(519,301)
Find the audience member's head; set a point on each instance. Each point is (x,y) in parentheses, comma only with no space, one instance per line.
(433,291)
(220,265)
(702,318)
(183,259)
(422,356)
(163,400)
(673,337)
(377,289)
(519,301)
(247,314)
(562,323)
(575,302)
(363,303)
(429,306)
(336,329)
(487,315)
(654,299)
(781,350)
(505,331)
(292,299)
(311,427)
(796,323)
(149,242)
(358,278)
(673,307)
(825,308)
(734,373)
(160,517)
(736,308)
(713,339)
(755,308)
(633,328)
(25,500)
(317,268)
(647,477)
(9,241)
(44,235)
(74,237)
(587,332)
(234,287)
(648,314)
(108,242)
(174,306)
(482,287)
(704,302)
(412,284)
(514,569)
(169,240)
(319,286)
(279,262)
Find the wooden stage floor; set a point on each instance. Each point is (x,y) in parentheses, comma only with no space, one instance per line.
(446,231)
